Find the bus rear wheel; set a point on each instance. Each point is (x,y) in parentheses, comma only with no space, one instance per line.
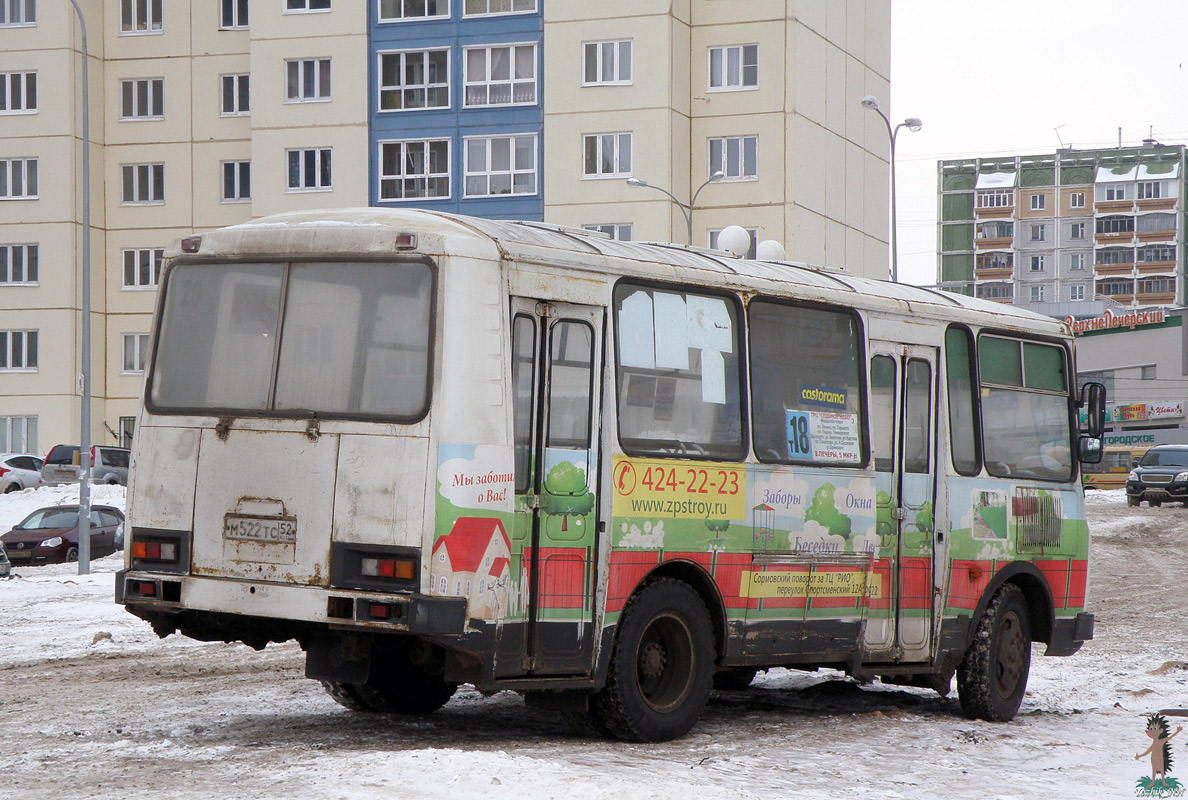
(662,666)
(992,677)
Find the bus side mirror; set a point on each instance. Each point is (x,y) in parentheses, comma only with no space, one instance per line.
(1093,396)
(1089,450)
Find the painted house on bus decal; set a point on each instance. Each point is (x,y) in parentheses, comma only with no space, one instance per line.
(473,561)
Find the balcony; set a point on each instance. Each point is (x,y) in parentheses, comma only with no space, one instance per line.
(1002,212)
(1112,206)
(998,243)
(1122,237)
(994,273)
(1156,298)
(1157,204)
(1124,268)
(1157,236)
(1149,267)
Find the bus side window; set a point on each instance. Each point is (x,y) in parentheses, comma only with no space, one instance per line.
(522,375)
(806,375)
(882,411)
(916,407)
(963,439)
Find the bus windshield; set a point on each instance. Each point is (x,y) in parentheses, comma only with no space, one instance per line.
(353,339)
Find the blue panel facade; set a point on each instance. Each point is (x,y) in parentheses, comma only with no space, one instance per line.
(462,126)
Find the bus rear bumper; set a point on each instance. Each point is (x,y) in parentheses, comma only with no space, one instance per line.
(1069,633)
(188,598)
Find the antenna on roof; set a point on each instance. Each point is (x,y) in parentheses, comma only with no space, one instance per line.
(1056,130)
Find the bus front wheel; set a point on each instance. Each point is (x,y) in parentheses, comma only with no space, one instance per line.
(992,677)
(662,666)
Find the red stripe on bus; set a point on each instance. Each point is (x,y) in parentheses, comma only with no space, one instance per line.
(728,576)
(1078,576)
(915,583)
(627,569)
(1056,572)
(967,582)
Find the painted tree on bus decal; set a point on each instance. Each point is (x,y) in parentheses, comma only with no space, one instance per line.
(823,511)
(566,493)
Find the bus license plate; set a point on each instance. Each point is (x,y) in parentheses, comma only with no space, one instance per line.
(260,529)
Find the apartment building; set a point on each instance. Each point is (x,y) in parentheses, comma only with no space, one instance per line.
(206,113)
(1076,233)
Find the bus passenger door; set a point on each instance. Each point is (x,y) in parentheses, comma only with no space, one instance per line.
(917,480)
(557,356)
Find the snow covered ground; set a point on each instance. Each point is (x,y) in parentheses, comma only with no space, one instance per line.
(93,705)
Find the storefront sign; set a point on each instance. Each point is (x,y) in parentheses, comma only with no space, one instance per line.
(1109,320)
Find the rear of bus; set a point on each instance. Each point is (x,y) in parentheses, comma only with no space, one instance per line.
(282,452)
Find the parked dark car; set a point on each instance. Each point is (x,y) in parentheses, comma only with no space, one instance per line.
(50,535)
(108,465)
(1161,474)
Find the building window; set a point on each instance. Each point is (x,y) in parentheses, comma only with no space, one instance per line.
(135,350)
(18,12)
(415,169)
(18,179)
(500,165)
(1152,223)
(1037,294)
(414,79)
(142,98)
(1157,252)
(607,155)
(237,181)
(1038,201)
(480,7)
(615,230)
(18,263)
(737,157)
(1076,293)
(1108,192)
(500,76)
(1076,200)
(1156,285)
(1037,233)
(994,230)
(1115,224)
(1076,230)
(995,291)
(306,5)
(18,434)
(997,198)
(606,63)
(18,350)
(1037,263)
(142,268)
(309,170)
(143,184)
(18,92)
(1115,287)
(396,10)
(1076,260)
(140,16)
(994,261)
(307,80)
(236,95)
(1114,255)
(235,14)
(1152,190)
(751,250)
(735,67)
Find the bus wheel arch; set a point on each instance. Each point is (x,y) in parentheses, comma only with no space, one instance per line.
(1036,591)
(992,676)
(701,582)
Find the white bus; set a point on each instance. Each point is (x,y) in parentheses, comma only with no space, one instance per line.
(439,450)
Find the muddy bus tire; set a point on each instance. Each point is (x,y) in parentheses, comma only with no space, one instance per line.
(406,689)
(992,677)
(345,695)
(662,666)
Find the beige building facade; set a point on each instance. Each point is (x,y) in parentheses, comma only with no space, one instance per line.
(200,118)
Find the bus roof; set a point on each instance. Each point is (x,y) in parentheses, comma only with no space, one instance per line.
(374,231)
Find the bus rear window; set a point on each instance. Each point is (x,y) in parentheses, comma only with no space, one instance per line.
(353,339)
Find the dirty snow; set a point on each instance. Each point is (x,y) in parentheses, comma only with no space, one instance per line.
(93,705)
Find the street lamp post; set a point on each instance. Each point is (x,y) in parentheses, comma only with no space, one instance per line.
(913,124)
(687,210)
(84,450)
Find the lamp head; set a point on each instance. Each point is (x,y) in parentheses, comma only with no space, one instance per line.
(636,183)
(717,176)
(913,124)
(870,102)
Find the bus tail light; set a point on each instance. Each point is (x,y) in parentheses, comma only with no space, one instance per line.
(155,551)
(137,588)
(398,568)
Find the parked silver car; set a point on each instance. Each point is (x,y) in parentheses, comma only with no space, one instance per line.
(19,471)
(5,566)
(109,465)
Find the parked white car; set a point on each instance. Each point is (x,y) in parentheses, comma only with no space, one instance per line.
(19,471)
